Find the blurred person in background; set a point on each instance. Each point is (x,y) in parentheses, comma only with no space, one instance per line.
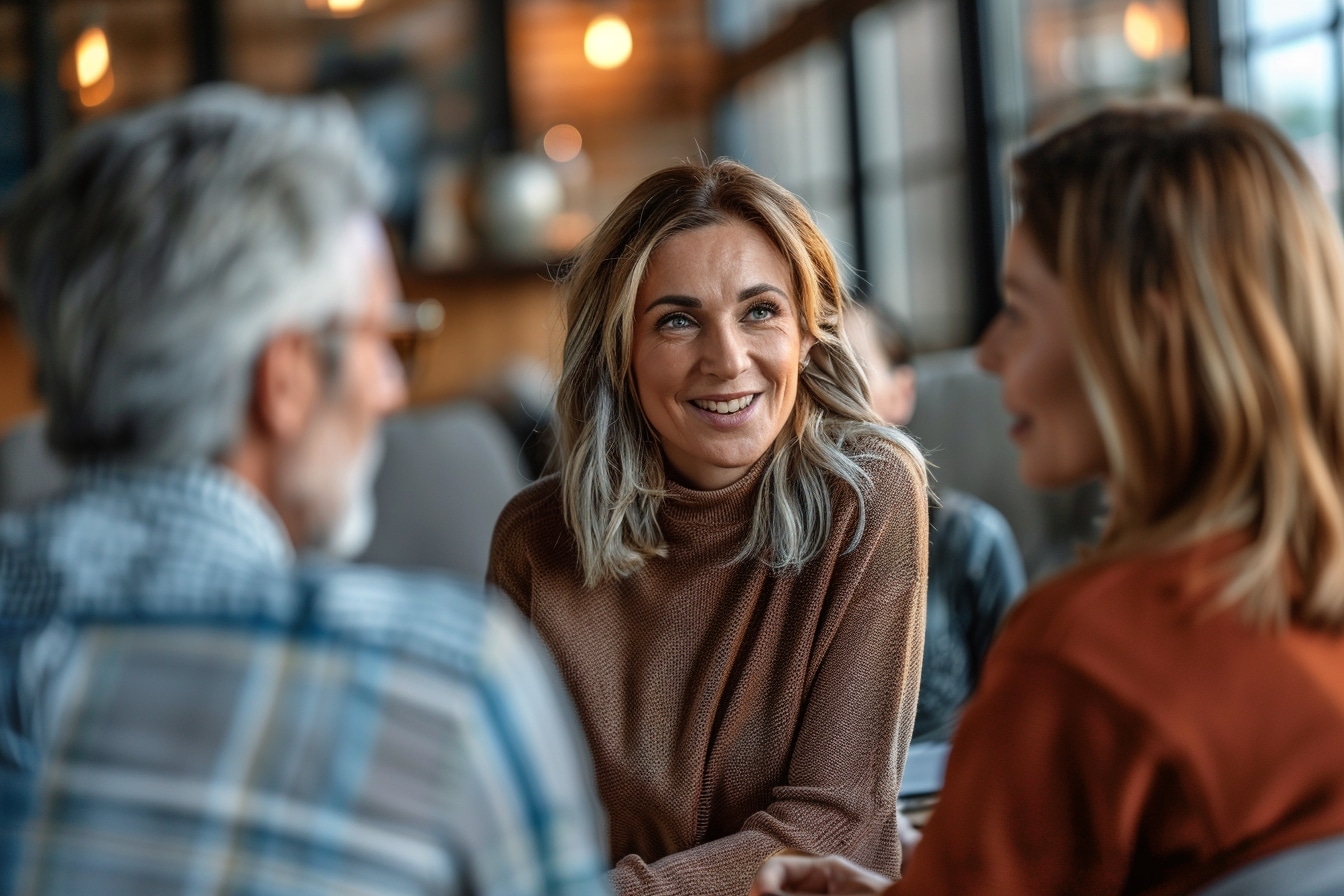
(1172,708)
(975,568)
(729,565)
(209,292)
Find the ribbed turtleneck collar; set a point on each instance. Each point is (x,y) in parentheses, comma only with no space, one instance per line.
(725,506)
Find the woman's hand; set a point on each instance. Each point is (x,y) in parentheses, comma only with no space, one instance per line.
(783,875)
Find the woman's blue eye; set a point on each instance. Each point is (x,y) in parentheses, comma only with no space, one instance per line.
(762,312)
(674,322)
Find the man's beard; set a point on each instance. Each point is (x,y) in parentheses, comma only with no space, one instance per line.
(352,532)
(334,496)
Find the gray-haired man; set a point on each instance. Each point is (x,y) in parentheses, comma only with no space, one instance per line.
(183,708)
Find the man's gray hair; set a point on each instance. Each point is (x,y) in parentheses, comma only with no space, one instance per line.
(153,256)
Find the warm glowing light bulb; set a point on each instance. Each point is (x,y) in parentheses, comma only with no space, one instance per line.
(562,143)
(344,7)
(97,93)
(607,43)
(92,57)
(1175,29)
(1143,30)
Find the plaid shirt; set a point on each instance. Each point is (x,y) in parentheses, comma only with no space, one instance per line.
(184,710)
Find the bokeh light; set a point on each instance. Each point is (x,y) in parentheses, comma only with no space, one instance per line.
(1143,30)
(607,43)
(98,93)
(1154,30)
(92,56)
(562,143)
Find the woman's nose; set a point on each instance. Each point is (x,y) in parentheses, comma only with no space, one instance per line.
(987,355)
(725,353)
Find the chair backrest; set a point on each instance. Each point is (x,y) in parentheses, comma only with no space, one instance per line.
(29,471)
(447,473)
(1314,869)
(961,423)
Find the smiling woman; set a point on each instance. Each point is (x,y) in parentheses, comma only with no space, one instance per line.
(717,350)
(729,565)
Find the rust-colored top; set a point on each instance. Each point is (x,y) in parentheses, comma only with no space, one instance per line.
(733,713)
(1127,739)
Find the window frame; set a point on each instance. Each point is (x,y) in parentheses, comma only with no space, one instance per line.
(1211,47)
(835,20)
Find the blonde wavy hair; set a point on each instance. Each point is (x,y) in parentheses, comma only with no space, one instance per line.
(610,463)
(1205,277)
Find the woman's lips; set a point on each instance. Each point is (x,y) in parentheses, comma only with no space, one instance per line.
(725,412)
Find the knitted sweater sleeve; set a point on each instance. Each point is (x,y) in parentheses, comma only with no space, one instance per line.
(849,745)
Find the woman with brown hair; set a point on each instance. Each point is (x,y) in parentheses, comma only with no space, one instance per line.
(729,565)
(1173,707)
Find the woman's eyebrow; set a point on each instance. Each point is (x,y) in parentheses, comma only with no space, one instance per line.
(752,292)
(676,301)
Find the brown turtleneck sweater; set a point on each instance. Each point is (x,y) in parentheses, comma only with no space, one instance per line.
(733,713)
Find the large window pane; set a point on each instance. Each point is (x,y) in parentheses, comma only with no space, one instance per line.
(790,124)
(825,126)
(1264,17)
(1232,19)
(939,285)
(878,79)
(929,57)
(912,135)
(833,216)
(1074,54)
(889,253)
(1296,85)
(793,122)
(1054,60)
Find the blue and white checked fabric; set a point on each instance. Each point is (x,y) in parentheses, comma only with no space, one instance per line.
(184,710)
(975,576)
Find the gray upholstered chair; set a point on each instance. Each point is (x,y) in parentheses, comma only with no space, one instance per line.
(963,427)
(1313,869)
(447,473)
(29,471)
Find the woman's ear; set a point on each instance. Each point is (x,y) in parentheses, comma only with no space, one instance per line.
(285,387)
(805,349)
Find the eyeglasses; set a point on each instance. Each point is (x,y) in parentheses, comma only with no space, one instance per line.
(405,327)
(408,325)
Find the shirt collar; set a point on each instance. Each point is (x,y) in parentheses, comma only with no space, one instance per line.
(208,495)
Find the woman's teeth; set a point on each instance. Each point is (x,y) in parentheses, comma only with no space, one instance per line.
(725,407)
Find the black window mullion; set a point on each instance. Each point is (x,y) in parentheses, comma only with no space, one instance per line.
(44,106)
(979,181)
(858,198)
(1245,50)
(1206,48)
